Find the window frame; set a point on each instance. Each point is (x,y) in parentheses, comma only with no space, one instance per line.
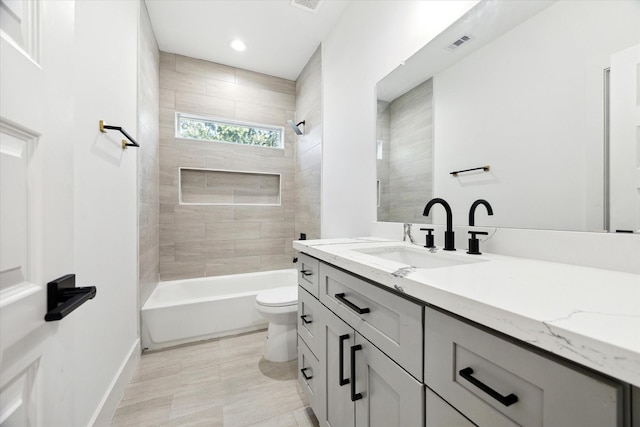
(219,120)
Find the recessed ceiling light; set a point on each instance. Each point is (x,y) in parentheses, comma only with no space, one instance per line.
(237,45)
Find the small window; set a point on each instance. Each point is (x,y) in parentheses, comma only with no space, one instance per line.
(209,129)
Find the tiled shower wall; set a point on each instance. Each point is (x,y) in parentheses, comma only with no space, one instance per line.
(207,240)
(309,147)
(406,182)
(148,157)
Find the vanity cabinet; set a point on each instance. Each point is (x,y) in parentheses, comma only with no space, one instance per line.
(371,357)
(364,387)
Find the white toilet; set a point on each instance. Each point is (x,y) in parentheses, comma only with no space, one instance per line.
(280,307)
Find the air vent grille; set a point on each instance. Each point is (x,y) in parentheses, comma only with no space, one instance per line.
(462,40)
(307,5)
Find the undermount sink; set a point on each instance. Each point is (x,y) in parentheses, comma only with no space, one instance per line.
(417,257)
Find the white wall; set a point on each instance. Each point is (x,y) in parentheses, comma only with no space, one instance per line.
(105,192)
(530,105)
(369,41)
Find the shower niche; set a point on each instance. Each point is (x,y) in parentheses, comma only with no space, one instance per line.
(226,187)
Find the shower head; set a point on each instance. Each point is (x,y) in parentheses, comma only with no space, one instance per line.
(296,127)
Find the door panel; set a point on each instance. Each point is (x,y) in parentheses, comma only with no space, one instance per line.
(23,333)
(337,410)
(390,396)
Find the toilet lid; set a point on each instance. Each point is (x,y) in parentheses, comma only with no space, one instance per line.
(278,297)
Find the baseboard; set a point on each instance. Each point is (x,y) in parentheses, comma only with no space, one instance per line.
(113,396)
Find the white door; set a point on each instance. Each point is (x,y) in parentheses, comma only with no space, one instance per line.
(35,245)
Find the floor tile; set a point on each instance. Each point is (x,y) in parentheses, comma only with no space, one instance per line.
(220,382)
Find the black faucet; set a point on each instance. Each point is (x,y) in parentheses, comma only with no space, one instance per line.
(449,239)
(474,243)
(472,211)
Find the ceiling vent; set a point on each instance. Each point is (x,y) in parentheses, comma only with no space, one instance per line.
(462,40)
(306,5)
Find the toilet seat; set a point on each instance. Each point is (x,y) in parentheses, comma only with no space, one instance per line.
(278,297)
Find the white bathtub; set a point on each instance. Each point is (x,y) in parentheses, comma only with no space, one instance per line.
(182,311)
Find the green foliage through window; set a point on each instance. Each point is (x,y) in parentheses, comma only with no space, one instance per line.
(211,130)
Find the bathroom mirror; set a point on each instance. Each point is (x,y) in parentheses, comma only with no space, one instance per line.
(531,89)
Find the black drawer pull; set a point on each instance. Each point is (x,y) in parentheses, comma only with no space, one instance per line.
(352,306)
(304,319)
(505,400)
(342,380)
(303,371)
(306,272)
(354,396)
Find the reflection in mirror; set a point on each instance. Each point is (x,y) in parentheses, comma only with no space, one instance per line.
(525,95)
(405,155)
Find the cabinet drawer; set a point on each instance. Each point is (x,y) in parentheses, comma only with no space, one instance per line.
(440,414)
(494,382)
(309,376)
(392,323)
(308,316)
(308,273)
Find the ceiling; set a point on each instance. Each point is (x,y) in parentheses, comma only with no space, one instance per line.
(280,38)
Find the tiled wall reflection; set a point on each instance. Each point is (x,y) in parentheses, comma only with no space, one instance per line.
(405,127)
(309,147)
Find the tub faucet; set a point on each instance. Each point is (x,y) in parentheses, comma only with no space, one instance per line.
(407,233)
(449,239)
(472,211)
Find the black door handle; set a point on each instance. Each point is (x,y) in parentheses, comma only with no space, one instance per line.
(341,379)
(303,371)
(505,400)
(340,297)
(306,272)
(354,396)
(304,319)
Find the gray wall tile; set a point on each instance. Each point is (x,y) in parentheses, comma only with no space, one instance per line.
(149,59)
(198,240)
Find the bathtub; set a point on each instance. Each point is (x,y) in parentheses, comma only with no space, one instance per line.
(182,311)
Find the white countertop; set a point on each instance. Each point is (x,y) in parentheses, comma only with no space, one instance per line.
(587,315)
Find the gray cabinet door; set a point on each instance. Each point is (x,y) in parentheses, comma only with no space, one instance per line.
(310,376)
(308,315)
(308,273)
(495,382)
(337,408)
(390,396)
(392,323)
(440,414)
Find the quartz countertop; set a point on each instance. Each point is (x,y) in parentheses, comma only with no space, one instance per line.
(587,315)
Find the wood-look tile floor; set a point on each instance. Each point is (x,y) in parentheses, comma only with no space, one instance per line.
(222,382)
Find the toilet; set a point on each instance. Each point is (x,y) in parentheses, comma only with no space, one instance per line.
(280,307)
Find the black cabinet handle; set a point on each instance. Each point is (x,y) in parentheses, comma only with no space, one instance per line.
(304,319)
(352,306)
(306,272)
(354,396)
(342,380)
(505,400)
(303,371)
